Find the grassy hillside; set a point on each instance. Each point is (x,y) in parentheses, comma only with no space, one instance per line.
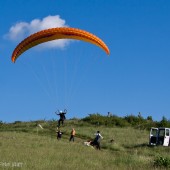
(23,145)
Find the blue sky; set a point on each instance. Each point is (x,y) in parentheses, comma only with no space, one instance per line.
(77,75)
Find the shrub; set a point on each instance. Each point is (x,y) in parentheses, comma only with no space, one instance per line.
(112,121)
(160,161)
(134,120)
(17,122)
(1,123)
(164,122)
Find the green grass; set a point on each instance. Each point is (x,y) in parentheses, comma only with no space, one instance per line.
(23,146)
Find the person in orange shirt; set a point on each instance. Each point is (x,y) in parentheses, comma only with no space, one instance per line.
(73,133)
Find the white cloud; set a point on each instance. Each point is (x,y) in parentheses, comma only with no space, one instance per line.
(18,31)
(21,30)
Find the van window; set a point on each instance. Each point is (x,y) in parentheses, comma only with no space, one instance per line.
(154,132)
(161,132)
(167,132)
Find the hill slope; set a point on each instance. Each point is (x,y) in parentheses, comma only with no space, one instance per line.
(24,145)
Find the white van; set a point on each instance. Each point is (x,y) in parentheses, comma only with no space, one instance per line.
(159,136)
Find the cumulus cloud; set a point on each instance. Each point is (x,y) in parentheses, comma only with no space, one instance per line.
(21,30)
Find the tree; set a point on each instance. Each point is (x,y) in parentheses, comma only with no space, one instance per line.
(164,122)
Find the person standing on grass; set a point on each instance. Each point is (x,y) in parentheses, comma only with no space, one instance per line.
(97,139)
(73,133)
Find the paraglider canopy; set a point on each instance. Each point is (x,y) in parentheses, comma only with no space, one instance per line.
(54,34)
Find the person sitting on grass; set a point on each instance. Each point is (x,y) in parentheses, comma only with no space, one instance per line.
(59,134)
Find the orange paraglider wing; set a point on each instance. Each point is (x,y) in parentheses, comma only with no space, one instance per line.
(54,34)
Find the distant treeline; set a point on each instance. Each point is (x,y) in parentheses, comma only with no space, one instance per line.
(129,120)
(110,120)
